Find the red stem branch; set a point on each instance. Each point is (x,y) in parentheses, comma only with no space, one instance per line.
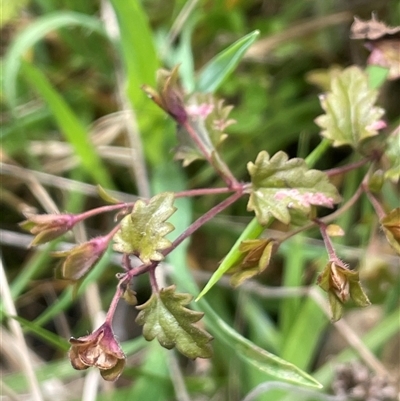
(348,167)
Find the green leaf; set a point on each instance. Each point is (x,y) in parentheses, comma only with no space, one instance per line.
(350,112)
(218,69)
(279,184)
(142,232)
(137,46)
(165,317)
(69,124)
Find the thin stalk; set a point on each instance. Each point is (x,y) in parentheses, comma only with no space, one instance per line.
(114,303)
(221,168)
(348,167)
(102,209)
(202,220)
(203,191)
(375,203)
(327,219)
(328,244)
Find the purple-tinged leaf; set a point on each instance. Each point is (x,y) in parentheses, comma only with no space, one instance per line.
(280,184)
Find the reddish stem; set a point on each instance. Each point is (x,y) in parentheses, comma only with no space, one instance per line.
(204,219)
(375,203)
(113,306)
(223,170)
(102,209)
(204,191)
(153,280)
(328,244)
(348,167)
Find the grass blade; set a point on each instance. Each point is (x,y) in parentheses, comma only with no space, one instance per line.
(218,69)
(33,34)
(69,124)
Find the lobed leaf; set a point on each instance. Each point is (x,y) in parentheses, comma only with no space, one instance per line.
(280,184)
(350,115)
(165,317)
(142,232)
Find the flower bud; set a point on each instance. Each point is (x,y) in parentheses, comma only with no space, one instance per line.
(47,227)
(391,227)
(169,95)
(81,258)
(100,350)
(341,284)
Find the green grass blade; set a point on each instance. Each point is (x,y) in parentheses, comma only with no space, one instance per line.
(253,230)
(254,355)
(137,46)
(69,124)
(35,32)
(292,277)
(218,69)
(47,336)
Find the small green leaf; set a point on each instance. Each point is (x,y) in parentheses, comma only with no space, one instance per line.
(142,232)
(350,112)
(165,317)
(218,69)
(279,184)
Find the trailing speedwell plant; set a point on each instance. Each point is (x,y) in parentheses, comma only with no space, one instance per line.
(280,188)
